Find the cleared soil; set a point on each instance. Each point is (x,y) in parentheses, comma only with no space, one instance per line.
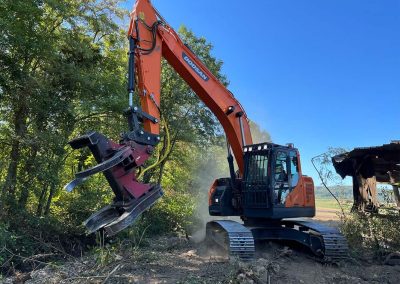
(179,260)
(327,214)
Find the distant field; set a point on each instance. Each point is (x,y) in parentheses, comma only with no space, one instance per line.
(328,209)
(326,203)
(331,203)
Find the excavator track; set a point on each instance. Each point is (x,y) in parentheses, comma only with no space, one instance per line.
(335,247)
(326,243)
(233,235)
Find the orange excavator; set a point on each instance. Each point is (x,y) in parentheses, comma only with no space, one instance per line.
(267,190)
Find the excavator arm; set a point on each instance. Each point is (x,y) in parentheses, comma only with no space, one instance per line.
(150,40)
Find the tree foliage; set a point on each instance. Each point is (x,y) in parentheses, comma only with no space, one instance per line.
(61,72)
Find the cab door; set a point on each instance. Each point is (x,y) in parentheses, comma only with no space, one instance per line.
(280,183)
(286,175)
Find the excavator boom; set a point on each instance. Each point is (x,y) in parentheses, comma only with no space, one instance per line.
(153,39)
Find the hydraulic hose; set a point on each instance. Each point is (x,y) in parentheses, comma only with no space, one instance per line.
(166,152)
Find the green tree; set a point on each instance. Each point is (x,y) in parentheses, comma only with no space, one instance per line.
(60,72)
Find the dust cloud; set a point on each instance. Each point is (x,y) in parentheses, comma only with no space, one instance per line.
(214,165)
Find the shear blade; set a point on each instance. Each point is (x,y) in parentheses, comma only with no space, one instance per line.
(72,184)
(117,158)
(133,211)
(101,218)
(80,177)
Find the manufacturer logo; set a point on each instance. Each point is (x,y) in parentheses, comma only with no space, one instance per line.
(194,67)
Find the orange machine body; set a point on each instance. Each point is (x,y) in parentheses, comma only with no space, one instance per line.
(303,194)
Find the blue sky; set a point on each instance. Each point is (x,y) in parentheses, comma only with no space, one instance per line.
(315,73)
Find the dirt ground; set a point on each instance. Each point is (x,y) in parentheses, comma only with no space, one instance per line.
(178,260)
(327,214)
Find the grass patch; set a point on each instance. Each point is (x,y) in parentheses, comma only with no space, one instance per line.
(326,203)
(330,203)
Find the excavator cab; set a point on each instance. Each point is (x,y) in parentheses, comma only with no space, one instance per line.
(272,186)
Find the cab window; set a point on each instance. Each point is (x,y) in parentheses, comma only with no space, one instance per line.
(294,168)
(281,185)
(257,169)
(281,173)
